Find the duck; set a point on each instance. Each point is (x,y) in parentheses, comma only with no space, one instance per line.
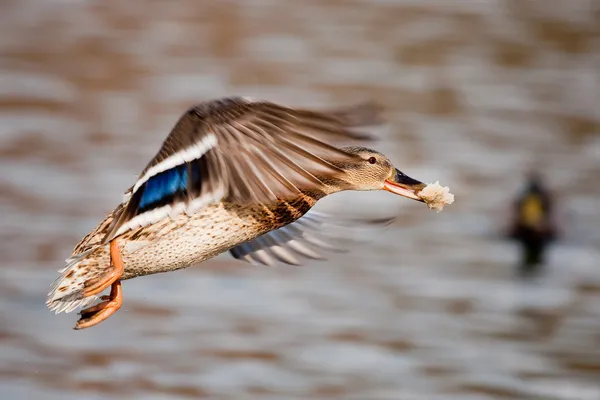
(533,223)
(235,175)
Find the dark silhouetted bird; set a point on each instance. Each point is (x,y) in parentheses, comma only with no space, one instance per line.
(533,226)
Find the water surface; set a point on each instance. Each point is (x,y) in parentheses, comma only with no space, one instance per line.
(477,93)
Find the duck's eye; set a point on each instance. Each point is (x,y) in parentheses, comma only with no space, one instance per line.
(372,160)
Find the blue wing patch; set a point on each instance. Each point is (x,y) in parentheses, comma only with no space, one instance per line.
(164,186)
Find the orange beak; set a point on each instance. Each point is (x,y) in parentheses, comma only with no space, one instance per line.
(403,185)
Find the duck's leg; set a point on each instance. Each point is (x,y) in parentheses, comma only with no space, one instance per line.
(94,315)
(98,313)
(95,286)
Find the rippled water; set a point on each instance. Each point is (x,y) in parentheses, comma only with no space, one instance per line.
(478,91)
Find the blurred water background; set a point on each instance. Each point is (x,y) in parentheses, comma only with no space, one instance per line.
(477,92)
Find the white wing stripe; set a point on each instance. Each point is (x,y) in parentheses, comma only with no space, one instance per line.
(172,211)
(186,155)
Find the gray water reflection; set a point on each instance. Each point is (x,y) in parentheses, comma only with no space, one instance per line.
(478,92)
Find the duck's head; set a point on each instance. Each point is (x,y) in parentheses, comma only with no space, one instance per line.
(371,170)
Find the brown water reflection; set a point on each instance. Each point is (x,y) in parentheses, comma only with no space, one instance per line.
(478,92)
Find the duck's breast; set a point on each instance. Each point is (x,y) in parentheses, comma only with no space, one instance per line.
(177,243)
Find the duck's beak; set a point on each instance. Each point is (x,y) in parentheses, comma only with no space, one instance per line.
(404,185)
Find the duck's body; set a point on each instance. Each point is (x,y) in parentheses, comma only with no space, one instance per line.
(234,175)
(533,224)
(173,244)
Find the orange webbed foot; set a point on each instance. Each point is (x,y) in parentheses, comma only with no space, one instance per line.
(95,314)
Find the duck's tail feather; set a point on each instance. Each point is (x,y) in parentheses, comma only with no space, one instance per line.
(66,293)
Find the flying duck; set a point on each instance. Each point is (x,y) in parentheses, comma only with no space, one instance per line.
(235,175)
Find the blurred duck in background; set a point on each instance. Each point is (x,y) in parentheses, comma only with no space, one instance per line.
(533,224)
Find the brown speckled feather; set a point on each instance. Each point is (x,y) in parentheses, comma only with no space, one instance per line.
(173,244)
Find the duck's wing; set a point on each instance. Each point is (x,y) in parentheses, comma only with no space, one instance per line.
(315,236)
(241,151)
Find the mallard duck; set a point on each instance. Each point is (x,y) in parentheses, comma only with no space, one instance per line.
(533,223)
(234,175)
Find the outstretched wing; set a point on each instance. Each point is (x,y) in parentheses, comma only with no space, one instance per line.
(312,237)
(240,151)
